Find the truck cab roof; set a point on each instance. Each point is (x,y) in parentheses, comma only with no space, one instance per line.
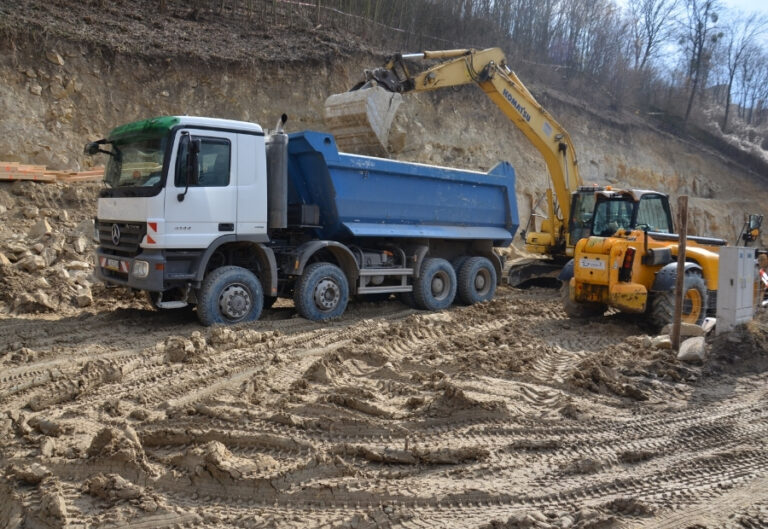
(161,125)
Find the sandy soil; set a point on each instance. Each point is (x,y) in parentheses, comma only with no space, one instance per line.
(504,414)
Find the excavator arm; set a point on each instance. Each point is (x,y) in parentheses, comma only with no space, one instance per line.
(488,69)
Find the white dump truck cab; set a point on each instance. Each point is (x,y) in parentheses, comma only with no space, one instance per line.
(178,188)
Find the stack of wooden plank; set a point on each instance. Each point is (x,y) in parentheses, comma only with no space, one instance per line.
(69,177)
(17,171)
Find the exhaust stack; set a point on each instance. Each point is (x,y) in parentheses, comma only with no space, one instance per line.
(277,176)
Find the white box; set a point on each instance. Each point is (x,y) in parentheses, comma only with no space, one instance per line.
(735,287)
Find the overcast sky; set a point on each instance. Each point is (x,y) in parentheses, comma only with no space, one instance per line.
(748,5)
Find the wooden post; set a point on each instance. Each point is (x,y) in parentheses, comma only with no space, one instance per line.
(682,230)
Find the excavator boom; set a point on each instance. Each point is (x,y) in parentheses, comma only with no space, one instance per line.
(360,119)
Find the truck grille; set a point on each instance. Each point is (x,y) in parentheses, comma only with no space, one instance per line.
(130,236)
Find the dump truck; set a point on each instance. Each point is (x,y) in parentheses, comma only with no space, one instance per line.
(225,217)
(361,118)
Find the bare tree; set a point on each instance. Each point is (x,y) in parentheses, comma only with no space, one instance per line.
(698,36)
(652,26)
(740,34)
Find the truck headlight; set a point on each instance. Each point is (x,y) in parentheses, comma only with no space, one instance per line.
(140,269)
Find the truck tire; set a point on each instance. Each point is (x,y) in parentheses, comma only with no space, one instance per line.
(435,287)
(662,307)
(322,292)
(476,281)
(578,310)
(406,298)
(230,294)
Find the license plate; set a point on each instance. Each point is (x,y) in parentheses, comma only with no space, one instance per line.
(592,264)
(112,264)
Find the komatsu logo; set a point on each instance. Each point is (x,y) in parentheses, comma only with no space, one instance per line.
(520,108)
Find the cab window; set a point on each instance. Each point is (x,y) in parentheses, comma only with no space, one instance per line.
(612,215)
(213,163)
(653,214)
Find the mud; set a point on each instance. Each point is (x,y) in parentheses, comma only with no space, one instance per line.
(504,414)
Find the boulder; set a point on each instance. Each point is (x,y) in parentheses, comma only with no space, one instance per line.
(31,212)
(686,330)
(31,263)
(693,350)
(83,298)
(662,342)
(40,229)
(80,244)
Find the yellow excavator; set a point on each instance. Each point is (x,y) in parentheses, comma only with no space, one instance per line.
(360,120)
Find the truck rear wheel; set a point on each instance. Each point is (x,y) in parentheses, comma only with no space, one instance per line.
(477,280)
(662,308)
(578,310)
(322,292)
(435,288)
(230,294)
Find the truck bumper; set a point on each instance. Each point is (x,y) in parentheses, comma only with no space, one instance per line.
(119,270)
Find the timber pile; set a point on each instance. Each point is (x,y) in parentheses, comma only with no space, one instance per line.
(13,171)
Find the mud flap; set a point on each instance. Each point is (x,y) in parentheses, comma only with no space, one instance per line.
(360,120)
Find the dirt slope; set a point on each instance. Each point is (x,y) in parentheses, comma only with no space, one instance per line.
(503,415)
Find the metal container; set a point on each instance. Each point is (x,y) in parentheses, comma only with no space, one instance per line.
(362,196)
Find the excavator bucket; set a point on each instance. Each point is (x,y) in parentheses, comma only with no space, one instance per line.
(360,120)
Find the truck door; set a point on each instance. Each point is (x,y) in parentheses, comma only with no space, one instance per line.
(199,210)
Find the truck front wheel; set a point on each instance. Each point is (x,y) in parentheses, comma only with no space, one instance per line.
(477,280)
(322,292)
(435,288)
(230,294)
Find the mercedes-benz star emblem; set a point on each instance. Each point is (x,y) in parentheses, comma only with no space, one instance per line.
(115,234)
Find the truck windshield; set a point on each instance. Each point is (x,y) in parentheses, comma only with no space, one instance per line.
(136,163)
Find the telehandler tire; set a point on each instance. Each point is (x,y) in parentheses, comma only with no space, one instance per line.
(576,310)
(230,294)
(662,307)
(322,292)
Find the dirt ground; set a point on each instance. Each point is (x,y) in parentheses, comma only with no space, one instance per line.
(504,414)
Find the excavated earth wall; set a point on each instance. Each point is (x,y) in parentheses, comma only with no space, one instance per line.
(56,97)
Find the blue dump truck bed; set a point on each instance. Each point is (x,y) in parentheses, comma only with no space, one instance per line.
(361,196)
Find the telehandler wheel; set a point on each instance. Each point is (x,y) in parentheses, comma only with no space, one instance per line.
(230,294)
(662,307)
(435,287)
(577,310)
(477,280)
(322,292)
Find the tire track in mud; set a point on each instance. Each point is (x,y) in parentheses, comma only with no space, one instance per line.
(404,420)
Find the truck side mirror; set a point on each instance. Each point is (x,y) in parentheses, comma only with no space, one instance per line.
(91,148)
(192,172)
(755,221)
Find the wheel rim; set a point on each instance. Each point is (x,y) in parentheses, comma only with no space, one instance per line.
(327,294)
(692,306)
(441,285)
(483,281)
(235,301)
